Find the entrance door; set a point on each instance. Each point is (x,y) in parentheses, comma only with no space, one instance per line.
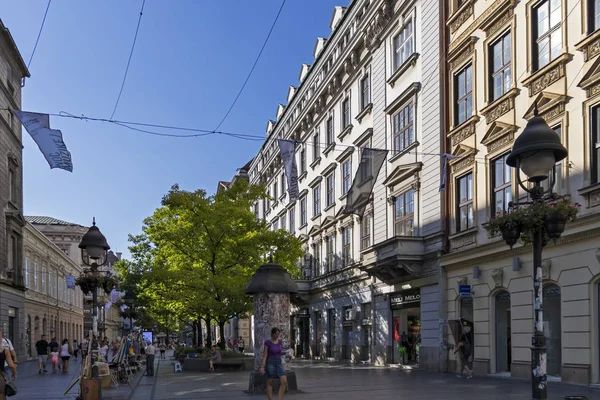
(552,329)
(347,344)
(503,332)
(366,349)
(331,335)
(319,334)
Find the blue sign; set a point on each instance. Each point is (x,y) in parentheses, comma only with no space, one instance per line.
(464,290)
(70,281)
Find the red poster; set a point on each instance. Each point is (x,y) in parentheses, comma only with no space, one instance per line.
(397,329)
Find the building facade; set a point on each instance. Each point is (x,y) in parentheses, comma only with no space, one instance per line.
(506,59)
(12,290)
(51,308)
(371,283)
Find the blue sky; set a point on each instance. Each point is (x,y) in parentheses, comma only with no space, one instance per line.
(190,60)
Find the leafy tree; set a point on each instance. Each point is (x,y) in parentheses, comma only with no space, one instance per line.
(197,253)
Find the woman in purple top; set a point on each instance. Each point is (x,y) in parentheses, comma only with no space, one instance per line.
(271,364)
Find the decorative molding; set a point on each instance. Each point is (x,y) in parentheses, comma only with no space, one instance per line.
(591,80)
(463,53)
(549,106)
(590,46)
(498,135)
(411,61)
(500,106)
(461,15)
(463,239)
(499,23)
(546,76)
(350,63)
(382,17)
(546,267)
(497,276)
(463,131)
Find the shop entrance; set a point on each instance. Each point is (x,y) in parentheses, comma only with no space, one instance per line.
(366,349)
(318,333)
(347,344)
(503,333)
(406,326)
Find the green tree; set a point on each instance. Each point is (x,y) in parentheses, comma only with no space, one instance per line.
(197,253)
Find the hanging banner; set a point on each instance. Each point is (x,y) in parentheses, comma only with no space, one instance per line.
(115,295)
(70,281)
(364,180)
(445,157)
(50,141)
(288,156)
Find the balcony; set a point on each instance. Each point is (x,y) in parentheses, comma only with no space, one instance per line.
(395,260)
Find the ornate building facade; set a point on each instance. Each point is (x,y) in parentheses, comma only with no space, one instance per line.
(505,59)
(375,82)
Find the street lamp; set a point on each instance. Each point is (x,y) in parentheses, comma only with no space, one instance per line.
(535,152)
(94,254)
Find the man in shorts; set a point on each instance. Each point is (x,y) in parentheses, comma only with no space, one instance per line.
(42,350)
(464,350)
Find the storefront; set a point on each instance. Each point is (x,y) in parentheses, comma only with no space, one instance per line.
(406,326)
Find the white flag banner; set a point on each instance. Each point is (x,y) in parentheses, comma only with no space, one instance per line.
(445,157)
(50,141)
(288,156)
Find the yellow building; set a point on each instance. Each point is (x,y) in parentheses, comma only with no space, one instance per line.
(504,59)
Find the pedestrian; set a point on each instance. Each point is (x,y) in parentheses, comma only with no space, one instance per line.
(65,355)
(235,345)
(464,348)
(271,364)
(7,344)
(215,357)
(162,349)
(6,357)
(104,351)
(75,348)
(41,346)
(150,353)
(84,348)
(241,344)
(54,358)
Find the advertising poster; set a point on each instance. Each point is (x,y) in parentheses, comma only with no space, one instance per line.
(147,336)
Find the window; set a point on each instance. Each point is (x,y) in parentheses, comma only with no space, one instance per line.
(501,185)
(500,65)
(316,147)
(403,45)
(27,282)
(346,245)
(464,202)
(44,287)
(303,216)
(330,189)
(292,220)
(275,225)
(365,91)
(463,89)
(404,214)
(365,232)
(547,32)
(330,250)
(283,222)
(282,184)
(316,200)
(345,113)
(346,175)
(52,284)
(35,277)
(302,161)
(330,132)
(275,196)
(595,142)
(403,128)
(317,259)
(593,13)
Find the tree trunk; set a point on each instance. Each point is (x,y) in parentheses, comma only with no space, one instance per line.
(222,334)
(209,338)
(194,338)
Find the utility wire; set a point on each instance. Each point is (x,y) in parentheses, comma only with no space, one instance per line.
(253,66)
(39,34)
(129,60)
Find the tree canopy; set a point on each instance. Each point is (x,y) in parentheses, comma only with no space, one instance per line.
(197,253)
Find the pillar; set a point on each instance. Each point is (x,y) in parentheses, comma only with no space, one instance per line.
(271,287)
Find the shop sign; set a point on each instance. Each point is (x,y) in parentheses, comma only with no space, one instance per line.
(464,290)
(303,313)
(406,298)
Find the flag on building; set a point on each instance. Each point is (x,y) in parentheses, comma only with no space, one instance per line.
(358,196)
(50,141)
(445,157)
(115,295)
(70,281)
(288,156)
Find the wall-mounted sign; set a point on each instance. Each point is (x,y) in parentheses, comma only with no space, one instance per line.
(407,298)
(464,290)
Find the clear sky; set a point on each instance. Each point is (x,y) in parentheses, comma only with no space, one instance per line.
(190,60)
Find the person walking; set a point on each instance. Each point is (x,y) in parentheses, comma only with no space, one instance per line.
(150,353)
(41,346)
(54,354)
(241,345)
(75,348)
(464,347)
(104,351)
(162,349)
(271,364)
(65,355)
(7,345)
(6,357)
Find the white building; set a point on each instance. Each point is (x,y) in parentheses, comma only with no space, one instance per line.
(375,82)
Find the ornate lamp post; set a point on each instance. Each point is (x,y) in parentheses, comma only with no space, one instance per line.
(94,254)
(535,152)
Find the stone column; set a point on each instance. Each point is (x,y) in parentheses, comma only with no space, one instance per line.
(271,287)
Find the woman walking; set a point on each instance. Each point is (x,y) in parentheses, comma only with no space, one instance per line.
(271,364)
(65,355)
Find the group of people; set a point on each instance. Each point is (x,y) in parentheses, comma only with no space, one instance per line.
(59,354)
(236,345)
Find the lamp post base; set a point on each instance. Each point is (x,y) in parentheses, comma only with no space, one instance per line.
(539,384)
(258,383)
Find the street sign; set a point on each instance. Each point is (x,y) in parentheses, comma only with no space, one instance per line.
(464,290)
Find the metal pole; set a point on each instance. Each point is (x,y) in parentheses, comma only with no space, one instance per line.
(538,342)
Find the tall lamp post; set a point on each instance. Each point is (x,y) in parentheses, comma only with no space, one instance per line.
(536,152)
(129,299)
(94,254)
